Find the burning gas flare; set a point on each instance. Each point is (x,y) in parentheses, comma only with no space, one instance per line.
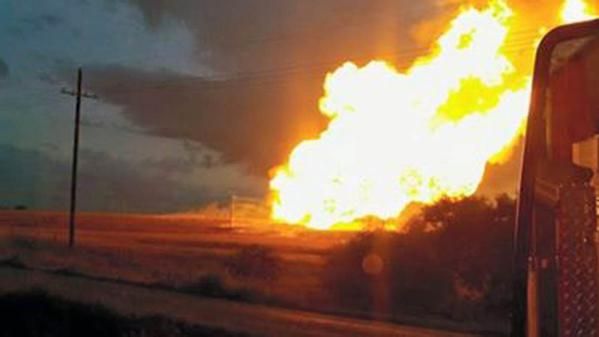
(396,138)
(576,10)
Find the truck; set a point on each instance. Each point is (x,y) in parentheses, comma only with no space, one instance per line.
(555,276)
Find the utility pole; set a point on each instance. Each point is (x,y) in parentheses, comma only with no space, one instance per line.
(78,94)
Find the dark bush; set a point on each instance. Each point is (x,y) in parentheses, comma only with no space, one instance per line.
(454,260)
(35,314)
(209,285)
(411,278)
(13,262)
(257,262)
(212,285)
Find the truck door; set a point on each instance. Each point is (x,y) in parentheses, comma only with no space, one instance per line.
(555,279)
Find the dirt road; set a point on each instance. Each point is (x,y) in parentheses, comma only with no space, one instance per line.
(241,317)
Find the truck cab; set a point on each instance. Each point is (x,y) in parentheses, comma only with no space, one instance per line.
(555,253)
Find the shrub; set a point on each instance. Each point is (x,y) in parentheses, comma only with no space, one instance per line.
(13,262)
(36,314)
(452,250)
(213,285)
(210,285)
(410,278)
(257,262)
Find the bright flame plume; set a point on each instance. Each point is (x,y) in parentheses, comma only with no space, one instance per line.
(396,138)
(576,10)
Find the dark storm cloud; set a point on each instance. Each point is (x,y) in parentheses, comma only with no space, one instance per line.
(171,165)
(242,35)
(113,184)
(253,121)
(196,157)
(30,178)
(106,183)
(97,124)
(41,22)
(275,54)
(4,71)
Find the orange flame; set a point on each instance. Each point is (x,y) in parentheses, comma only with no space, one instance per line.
(397,138)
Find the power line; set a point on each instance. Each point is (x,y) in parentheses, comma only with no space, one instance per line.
(282,74)
(523,38)
(525,35)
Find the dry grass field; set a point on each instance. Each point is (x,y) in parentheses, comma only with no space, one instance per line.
(179,251)
(276,265)
(284,266)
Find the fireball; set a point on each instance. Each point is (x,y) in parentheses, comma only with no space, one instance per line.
(576,10)
(395,138)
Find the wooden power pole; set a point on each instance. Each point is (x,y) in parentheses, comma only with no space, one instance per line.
(73,205)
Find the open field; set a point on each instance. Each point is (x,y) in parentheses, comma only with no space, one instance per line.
(227,317)
(168,250)
(188,254)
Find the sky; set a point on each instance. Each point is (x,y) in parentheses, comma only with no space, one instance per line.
(197,99)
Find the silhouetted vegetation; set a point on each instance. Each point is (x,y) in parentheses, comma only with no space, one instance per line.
(257,262)
(35,314)
(454,261)
(19,207)
(12,261)
(213,285)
